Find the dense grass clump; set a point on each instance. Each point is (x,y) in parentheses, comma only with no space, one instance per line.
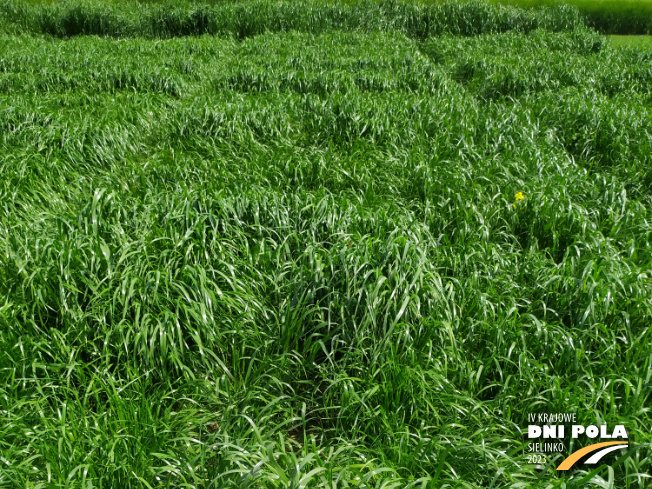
(293,255)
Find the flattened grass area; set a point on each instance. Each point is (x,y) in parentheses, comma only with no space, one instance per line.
(294,256)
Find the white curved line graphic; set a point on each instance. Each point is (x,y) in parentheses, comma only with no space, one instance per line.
(595,458)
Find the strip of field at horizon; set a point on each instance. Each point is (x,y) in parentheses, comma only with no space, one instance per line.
(642,6)
(640,42)
(626,17)
(636,7)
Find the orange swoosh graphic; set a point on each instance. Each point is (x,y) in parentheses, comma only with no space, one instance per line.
(575,456)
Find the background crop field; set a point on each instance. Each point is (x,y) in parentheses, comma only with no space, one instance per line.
(608,16)
(622,17)
(270,244)
(643,42)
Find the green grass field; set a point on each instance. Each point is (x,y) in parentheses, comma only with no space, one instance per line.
(615,17)
(642,42)
(608,16)
(288,245)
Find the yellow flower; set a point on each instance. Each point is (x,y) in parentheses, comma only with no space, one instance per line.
(519,196)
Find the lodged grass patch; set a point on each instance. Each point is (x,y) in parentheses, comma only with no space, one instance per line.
(357,254)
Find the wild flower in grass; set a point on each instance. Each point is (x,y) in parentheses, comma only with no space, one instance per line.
(519,196)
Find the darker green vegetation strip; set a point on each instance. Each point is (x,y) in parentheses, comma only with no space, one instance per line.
(625,17)
(246,19)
